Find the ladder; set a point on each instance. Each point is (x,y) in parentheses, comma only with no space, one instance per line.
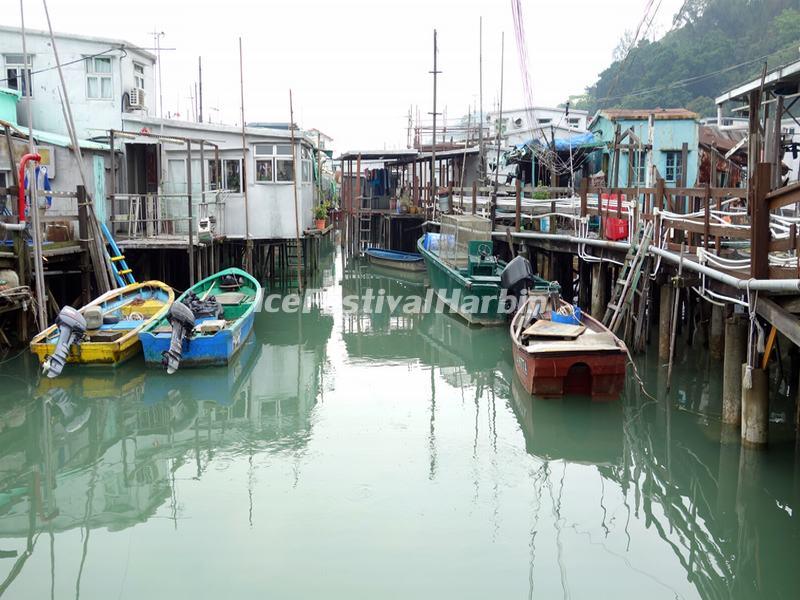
(293,257)
(122,273)
(628,280)
(639,315)
(364,231)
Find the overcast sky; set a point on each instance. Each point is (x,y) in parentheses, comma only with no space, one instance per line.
(356,66)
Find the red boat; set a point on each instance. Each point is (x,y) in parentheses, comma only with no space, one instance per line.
(555,358)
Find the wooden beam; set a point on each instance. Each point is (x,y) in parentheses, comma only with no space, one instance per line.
(782,320)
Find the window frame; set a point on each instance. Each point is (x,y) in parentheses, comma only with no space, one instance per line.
(675,167)
(138,75)
(268,153)
(19,68)
(99,76)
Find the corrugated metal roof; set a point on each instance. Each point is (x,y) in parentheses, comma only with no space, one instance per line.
(644,113)
(47,137)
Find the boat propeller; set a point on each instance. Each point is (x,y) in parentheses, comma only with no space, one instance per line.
(71,327)
(181,319)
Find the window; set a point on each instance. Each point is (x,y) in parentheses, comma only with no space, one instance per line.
(98,78)
(264,170)
(214,168)
(672,172)
(639,167)
(138,76)
(232,170)
(543,121)
(274,163)
(285,169)
(574,122)
(15,72)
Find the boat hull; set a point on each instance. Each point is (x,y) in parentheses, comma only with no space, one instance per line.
(206,350)
(110,353)
(476,303)
(210,350)
(599,375)
(415,266)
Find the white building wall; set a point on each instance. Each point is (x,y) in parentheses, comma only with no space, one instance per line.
(270,205)
(520,125)
(93,117)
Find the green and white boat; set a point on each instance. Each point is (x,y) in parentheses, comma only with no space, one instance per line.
(465,274)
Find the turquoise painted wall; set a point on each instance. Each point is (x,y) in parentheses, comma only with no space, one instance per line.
(668,136)
(8,105)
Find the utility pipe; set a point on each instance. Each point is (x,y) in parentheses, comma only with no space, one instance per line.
(35,157)
(765,285)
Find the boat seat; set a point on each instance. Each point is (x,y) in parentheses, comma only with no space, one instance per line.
(231,298)
(485,278)
(122,325)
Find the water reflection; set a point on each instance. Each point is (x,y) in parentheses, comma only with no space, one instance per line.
(100,449)
(374,441)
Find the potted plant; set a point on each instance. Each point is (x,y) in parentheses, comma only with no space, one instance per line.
(320,214)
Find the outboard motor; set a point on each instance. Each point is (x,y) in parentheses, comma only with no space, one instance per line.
(181,319)
(517,278)
(71,327)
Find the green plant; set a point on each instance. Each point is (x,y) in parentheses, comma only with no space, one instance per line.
(541,193)
(321,211)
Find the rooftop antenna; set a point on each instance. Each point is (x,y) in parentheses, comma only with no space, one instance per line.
(200,90)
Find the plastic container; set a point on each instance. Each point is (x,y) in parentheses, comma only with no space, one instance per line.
(573,319)
(431,242)
(616,229)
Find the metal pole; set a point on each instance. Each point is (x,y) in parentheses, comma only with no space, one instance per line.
(493,207)
(481,156)
(294,186)
(200,88)
(41,310)
(433,138)
(248,243)
(191,218)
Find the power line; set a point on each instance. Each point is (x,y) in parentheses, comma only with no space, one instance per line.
(72,62)
(689,80)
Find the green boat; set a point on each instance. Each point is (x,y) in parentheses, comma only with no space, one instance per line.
(465,274)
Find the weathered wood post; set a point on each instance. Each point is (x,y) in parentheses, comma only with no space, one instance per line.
(83,237)
(664,320)
(599,289)
(717,331)
(759,218)
(474,197)
(518,214)
(735,356)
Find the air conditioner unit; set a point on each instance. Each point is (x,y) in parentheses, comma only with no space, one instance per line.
(136,98)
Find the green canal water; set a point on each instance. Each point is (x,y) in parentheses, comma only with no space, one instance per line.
(383,456)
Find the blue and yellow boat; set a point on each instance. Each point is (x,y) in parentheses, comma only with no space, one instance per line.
(207,325)
(105,331)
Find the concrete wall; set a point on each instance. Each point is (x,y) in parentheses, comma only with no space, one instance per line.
(668,136)
(92,117)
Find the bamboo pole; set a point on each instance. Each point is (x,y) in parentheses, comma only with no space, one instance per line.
(294,187)
(248,243)
(100,262)
(38,261)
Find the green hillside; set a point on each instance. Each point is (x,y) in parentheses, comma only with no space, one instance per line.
(713,46)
